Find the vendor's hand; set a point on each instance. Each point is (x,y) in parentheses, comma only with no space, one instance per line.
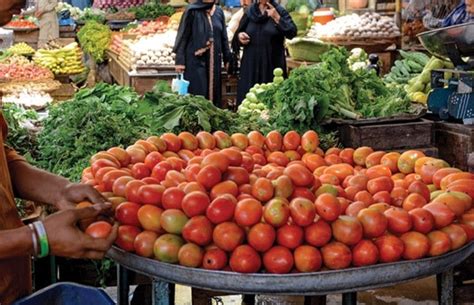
(244,38)
(272,12)
(65,238)
(74,193)
(180,68)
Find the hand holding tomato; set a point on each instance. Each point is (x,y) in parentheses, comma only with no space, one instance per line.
(73,193)
(66,239)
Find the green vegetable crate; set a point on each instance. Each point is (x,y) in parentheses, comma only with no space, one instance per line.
(306,49)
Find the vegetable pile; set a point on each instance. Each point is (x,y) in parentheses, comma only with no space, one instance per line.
(152,11)
(95,39)
(411,64)
(64,60)
(279,204)
(25,72)
(21,48)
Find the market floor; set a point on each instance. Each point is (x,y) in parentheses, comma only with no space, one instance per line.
(421,292)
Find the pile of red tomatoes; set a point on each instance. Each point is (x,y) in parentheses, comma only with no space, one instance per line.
(279,203)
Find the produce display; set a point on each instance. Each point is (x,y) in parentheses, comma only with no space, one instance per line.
(358,59)
(74,12)
(411,64)
(95,39)
(152,11)
(15,60)
(120,15)
(150,27)
(28,98)
(21,48)
(19,23)
(149,51)
(107,4)
(23,72)
(354,27)
(46,85)
(65,60)
(278,203)
(91,14)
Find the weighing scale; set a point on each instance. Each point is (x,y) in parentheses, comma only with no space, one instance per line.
(453,97)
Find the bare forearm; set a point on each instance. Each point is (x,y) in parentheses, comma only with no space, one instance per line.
(17,242)
(34,184)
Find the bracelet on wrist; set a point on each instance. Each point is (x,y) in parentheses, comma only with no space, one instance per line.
(34,239)
(43,239)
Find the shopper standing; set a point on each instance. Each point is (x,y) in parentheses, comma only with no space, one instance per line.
(48,21)
(261,33)
(201,47)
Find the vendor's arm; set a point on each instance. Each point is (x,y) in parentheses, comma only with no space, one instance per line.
(37,185)
(64,237)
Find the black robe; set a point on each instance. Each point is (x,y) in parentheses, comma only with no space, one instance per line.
(197,70)
(266,50)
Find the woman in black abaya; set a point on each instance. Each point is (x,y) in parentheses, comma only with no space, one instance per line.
(262,32)
(201,46)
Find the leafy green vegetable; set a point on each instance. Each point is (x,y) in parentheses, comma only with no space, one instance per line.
(95,39)
(152,11)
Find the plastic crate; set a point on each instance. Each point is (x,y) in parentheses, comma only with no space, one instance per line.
(232,3)
(67,294)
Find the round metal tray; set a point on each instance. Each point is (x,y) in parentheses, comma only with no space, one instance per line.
(316,283)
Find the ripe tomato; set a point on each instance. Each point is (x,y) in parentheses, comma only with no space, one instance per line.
(152,159)
(173,221)
(291,140)
(188,140)
(440,243)
(217,159)
(206,140)
(166,248)
(380,184)
(417,245)
(221,209)
(382,196)
(302,211)
(274,141)
(140,171)
(195,203)
(423,221)
(347,230)
(302,192)
(136,153)
(172,198)
(390,247)
(190,255)
(126,237)
(127,213)
(360,155)
(159,143)
(119,186)
(225,187)
(278,260)
(239,140)
(262,189)
(399,221)
(228,236)
(318,234)
(173,142)
(110,177)
(374,159)
(223,140)
(398,195)
(328,207)
(121,155)
(336,255)
(355,207)
(365,253)
(245,259)
(443,215)
(299,175)
(149,217)
(290,236)
(283,186)
(209,176)
(214,259)
(364,196)
(276,212)
(147,146)
(193,187)
(151,194)
(160,170)
(99,229)
(457,235)
(279,158)
(248,212)
(374,222)
(307,259)
(102,163)
(237,174)
(310,141)
(261,237)
(144,243)
(198,230)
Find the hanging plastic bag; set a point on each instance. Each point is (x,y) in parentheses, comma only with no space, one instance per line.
(180,85)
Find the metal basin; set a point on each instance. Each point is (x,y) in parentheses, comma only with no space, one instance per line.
(316,283)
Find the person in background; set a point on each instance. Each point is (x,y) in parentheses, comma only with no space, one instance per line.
(48,21)
(201,46)
(261,33)
(235,20)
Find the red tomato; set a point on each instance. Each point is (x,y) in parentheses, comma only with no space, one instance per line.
(228,236)
(274,141)
(195,203)
(166,248)
(126,237)
(299,175)
(365,253)
(390,247)
(276,212)
(302,211)
(336,255)
(328,207)
(291,140)
(99,229)
(160,170)
(245,259)
(127,213)
(374,222)
(110,177)
(307,259)
(237,174)
(262,189)
(248,212)
(173,142)
(318,234)
(152,159)
(443,215)
(225,187)
(278,260)
(283,186)
(261,237)
(191,171)
(221,209)
(217,159)
(235,156)
(347,230)
(144,243)
(149,217)
(290,236)
(423,221)
(172,198)
(190,255)
(151,194)
(209,176)
(399,221)
(417,245)
(214,259)
(198,230)
(440,243)
(119,186)
(173,221)
(457,235)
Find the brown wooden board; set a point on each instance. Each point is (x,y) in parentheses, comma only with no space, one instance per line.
(28,37)
(393,136)
(455,143)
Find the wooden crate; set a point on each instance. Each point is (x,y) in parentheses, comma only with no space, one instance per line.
(28,37)
(455,143)
(393,136)
(229,92)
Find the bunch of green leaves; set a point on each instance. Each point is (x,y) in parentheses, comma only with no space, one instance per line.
(95,39)
(94,120)
(152,10)
(21,138)
(92,14)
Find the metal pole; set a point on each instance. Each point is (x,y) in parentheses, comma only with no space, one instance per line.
(447,292)
(349,298)
(123,288)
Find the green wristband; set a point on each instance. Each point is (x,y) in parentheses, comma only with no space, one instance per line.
(43,239)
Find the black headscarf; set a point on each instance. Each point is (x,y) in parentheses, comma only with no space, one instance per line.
(196,17)
(256,15)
